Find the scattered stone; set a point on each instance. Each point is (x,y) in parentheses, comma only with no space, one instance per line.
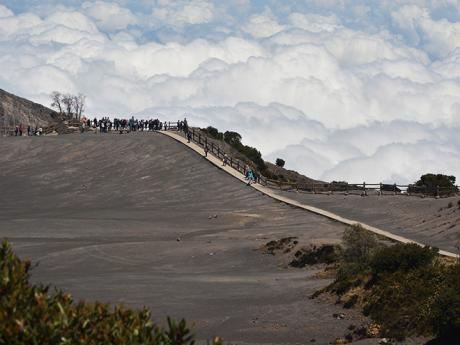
(340,316)
(384,341)
(178,239)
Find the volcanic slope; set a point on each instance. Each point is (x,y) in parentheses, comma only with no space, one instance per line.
(140,219)
(15,110)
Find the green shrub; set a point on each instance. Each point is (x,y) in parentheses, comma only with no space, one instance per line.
(401,302)
(280,162)
(430,183)
(354,270)
(359,245)
(324,254)
(232,138)
(214,133)
(446,307)
(403,287)
(29,314)
(401,257)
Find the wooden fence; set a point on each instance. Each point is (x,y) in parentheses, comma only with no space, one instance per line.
(363,189)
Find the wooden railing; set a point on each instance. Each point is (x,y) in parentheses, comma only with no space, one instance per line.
(363,189)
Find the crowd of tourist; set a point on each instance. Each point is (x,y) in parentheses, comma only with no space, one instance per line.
(19,131)
(106,125)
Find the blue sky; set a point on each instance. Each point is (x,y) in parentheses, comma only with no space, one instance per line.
(341,89)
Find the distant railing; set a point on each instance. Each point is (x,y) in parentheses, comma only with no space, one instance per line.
(362,189)
(216,150)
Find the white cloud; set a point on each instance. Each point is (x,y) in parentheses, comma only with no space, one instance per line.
(339,97)
(180,13)
(263,25)
(109,16)
(5,12)
(438,37)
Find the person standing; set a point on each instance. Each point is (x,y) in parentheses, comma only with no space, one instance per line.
(206,150)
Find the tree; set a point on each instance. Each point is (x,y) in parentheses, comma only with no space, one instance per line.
(431,182)
(79,105)
(214,132)
(68,101)
(68,104)
(56,99)
(232,138)
(280,162)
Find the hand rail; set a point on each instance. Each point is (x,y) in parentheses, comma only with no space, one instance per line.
(319,187)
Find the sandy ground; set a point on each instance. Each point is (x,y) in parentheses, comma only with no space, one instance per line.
(435,222)
(141,220)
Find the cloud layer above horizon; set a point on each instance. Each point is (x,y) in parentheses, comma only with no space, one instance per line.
(341,89)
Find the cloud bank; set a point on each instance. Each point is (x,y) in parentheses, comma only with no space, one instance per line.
(342,90)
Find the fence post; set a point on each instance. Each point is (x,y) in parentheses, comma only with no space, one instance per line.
(437,192)
(238,165)
(365,190)
(218,152)
(231,162)
(199,138)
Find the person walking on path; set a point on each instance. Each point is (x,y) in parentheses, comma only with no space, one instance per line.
(225,161)
(249,174)
(206,150)
(189,137)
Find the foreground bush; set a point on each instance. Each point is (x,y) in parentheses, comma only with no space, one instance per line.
(407,289)
(30,314)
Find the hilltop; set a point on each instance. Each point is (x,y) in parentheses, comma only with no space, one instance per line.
(16,110)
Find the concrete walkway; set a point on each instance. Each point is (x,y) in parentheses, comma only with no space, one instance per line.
(269,192)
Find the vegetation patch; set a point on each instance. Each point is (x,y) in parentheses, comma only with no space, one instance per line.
(435,184)
(324,254)
(284,245)
(31,314)
(405,289)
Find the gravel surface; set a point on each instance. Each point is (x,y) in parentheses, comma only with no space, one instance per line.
(141,220)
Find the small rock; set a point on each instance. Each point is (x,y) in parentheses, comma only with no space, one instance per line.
(384,341)
(178,239)
(211,254)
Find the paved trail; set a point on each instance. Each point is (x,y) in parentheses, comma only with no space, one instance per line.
(403,218)
(102,215)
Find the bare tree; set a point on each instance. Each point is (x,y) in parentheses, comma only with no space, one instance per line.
(68,102)
(56,98)
(79,105)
